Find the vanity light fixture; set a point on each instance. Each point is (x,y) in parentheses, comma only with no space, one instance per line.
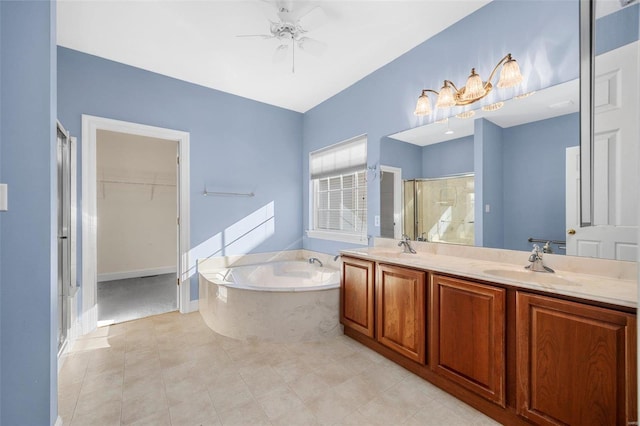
(493,107)
(475,89)
(466,114)
(525,95)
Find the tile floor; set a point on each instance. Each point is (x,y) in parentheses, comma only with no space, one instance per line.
(172,369)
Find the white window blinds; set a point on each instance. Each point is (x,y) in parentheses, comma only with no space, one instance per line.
(342,158)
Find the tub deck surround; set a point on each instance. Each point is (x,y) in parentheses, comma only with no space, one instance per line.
(604,281)
(266,312)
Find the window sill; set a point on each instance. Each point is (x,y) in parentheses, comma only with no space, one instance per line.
(343,237)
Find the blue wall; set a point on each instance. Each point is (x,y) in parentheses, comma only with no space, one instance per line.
(237,145)
(488,166)
(617,29)
(534,156)
(448,158)
(382,103)
(404,155)
(28,385)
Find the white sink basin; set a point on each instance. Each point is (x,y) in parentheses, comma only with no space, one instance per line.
(543,278)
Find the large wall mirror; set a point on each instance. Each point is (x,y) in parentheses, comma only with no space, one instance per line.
(525,157)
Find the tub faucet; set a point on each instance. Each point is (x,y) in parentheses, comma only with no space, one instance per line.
(536,264)
(315,259)
(406,242)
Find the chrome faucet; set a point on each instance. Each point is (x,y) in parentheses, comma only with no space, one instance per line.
(406,242)
(536,264)
(315,259)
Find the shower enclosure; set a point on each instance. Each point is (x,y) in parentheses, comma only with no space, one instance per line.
(440,209)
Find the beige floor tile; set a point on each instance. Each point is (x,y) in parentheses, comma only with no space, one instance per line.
(225,400)
(355,419)
(106,415)
(197,410)
(332,373)
(356,390)
(262,381)
(380,379)
(292,370)
(182,390)
(104,381)
(230,381)
(384,411)
(309,387)
(134,410)
(159,418)
(436,414)
(173,370)
(301,416)
(406,396)
(329,408)
(149,386)
(249,414)
(96,400)
(279,401)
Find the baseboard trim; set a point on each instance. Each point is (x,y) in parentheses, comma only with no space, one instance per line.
(111,276)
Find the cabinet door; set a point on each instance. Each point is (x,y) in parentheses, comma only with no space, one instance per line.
(400,295)
(356,295)
(576,363)
(467,331)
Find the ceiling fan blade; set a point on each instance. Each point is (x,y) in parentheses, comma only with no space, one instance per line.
(264,36)
(312,46)
(312,19)
(281,53)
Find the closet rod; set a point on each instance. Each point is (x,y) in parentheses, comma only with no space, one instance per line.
(136,183)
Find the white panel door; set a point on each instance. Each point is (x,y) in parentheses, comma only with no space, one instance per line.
(615,169)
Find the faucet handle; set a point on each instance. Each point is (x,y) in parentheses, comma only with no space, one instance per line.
(405,237)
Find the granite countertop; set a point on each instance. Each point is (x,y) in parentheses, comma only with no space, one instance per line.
(598,288)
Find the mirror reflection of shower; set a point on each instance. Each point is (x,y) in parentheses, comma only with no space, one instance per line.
(440,210)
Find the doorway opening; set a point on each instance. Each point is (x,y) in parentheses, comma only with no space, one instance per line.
(135,187)
(136,211)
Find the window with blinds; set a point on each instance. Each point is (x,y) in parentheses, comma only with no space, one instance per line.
(339,191)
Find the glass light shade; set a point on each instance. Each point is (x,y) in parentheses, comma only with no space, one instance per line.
(474,89)
(445,97)
(510,74)
(466,114)
(525,95)
(493,107)
(423,106)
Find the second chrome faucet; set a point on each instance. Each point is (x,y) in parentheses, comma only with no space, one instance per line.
(406,242)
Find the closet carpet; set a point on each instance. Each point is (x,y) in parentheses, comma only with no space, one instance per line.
(135,298)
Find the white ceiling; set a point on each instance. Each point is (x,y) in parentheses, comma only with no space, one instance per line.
(196,41)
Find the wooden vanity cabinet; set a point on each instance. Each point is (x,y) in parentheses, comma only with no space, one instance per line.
(576,363)
(400,303)
(467,335)
(357,295)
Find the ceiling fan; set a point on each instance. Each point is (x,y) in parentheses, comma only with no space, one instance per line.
(291,28)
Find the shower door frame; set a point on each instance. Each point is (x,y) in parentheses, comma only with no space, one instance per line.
(90,127)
